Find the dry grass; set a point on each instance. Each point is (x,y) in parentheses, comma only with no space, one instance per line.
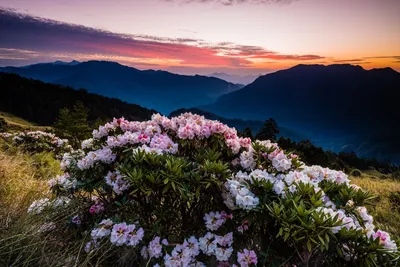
(23,179)
(385,213)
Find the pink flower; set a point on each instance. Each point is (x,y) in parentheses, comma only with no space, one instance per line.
(225,215)
(143,138)
(243,227)
(245,142)
(247,258)
(96,208)
(382,235)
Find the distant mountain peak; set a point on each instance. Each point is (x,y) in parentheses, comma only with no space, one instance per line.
(330,66)
(236,79)
(72,63)
(386,70)
(156,89)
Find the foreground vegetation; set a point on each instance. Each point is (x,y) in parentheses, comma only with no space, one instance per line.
(189,169)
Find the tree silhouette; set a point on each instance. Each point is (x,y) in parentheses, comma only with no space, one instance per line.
(247,133)
(73,124)
(268,131)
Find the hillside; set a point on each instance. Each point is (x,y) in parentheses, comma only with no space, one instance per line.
(39,102)
(341,107)
(161,90)
(15,123)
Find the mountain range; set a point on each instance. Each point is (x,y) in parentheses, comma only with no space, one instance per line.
(339,107)
(237,79)
(161,90)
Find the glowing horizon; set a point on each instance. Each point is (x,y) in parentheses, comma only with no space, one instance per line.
(202,36)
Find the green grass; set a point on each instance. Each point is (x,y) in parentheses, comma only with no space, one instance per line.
(18,124)
(23,179)
(386,213)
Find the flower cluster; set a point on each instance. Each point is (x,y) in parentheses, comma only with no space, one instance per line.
(96,208)
(247,258)
(214,220)
(38,141)
(120,233)
(104,155)
(117,182)
(168,174)
(63,182)
(38,206)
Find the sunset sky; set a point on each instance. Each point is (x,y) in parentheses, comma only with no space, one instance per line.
(202,36)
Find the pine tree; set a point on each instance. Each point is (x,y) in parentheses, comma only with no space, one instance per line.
(268,131)
(247,133)
(73,124)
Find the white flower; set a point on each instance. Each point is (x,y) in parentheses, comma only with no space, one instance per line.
(134,236)
(37,206)
(223,254)
(192,245)
(119,234)
(213,220)
(208,244)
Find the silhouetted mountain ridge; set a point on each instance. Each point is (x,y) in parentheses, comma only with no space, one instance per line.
(325,102)
(236,79)
(161,90)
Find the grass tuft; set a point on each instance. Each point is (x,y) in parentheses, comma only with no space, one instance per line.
(384,210)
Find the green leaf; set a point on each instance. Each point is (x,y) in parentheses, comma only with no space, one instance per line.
(309,246)
(173,186)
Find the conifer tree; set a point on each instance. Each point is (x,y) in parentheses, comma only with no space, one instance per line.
(268,131)
(73,124)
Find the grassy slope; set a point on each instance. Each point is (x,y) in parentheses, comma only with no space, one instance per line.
(23,179)
(17,124)
(385,213)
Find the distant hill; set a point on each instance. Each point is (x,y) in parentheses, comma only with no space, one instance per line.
(39,102)
(342,107)
(160,90)
(17,124)
(239,124)
(237,79)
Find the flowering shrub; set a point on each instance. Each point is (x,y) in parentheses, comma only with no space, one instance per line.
(38,141)
(187,191)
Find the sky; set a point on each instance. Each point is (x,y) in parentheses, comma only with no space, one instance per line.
(202,36)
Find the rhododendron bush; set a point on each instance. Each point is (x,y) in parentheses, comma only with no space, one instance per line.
(38,141)
(187,191)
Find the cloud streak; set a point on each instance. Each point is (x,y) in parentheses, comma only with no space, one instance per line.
(231,2)
(25,37)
